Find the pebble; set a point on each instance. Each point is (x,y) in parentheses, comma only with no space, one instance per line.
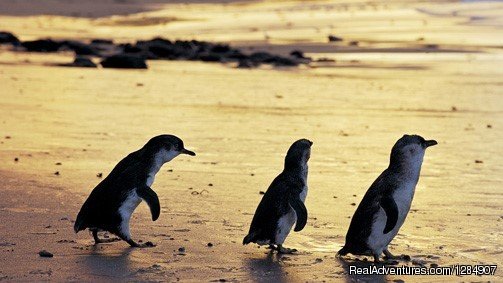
(44,253)
(333,38)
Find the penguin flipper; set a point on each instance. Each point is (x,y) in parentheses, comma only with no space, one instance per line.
(389,206)
(151,198)
(301,211)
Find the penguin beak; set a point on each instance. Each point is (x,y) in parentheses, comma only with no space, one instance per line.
(186,151)
(430,143)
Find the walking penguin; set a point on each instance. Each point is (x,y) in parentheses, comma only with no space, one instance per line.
(282,205)
(387,202)
(110,205)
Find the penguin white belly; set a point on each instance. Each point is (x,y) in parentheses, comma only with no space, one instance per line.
(286,222)
(150,180)
(378,241)
(126,210)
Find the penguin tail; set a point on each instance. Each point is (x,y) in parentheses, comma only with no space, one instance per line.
(249,238)
(79,224)
(76,227)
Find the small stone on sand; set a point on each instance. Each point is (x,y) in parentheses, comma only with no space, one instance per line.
(44,253)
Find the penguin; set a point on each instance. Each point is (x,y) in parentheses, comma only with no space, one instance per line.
(387,202)
(282,205)
(111,203)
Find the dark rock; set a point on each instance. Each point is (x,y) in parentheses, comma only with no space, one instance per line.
(354,43)
(124,61)
(323,59)
(267,58)
(297,54)
(210,57)
(138,50)
(79,48)
(44,253)
(261,57)
(156,40)
(129,48)
(246,63)
(81,61)
(42,45)
(170,52)
(102,41)
(333,38)
(84,62)
(234,55)
(279,61)
(221,48)
(7,37)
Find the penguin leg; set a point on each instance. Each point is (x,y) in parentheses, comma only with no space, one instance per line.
(389,255)
(97,240)
(283,250)
(128,239)
(132,243)
(376,258)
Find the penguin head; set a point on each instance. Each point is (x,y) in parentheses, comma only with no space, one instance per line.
(298,154)
(410,149)
(166,147)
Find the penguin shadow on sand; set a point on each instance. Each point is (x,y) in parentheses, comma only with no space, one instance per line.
(347,265)
(268,269)
(100,262)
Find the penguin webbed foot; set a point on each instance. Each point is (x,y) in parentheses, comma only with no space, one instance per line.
(104,241)
(140,245)
(376,258)
(97,240)
(389,256)
(283,250)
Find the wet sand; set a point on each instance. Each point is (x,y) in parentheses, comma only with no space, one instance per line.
(240,123)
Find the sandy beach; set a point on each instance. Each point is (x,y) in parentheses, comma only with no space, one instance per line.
(432,69)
